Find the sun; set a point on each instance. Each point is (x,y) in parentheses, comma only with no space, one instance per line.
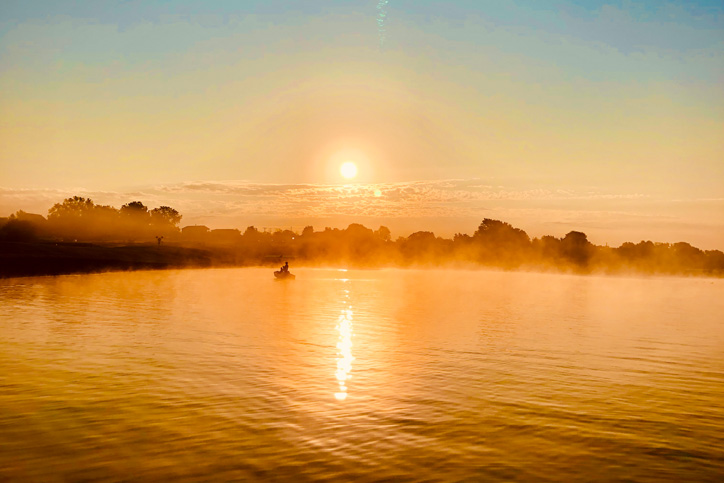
(348,170)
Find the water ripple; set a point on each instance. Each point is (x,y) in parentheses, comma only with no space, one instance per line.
(360,375)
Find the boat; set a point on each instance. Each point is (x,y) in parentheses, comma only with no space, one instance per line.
(284,275)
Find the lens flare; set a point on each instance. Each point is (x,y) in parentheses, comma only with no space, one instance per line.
(381,18)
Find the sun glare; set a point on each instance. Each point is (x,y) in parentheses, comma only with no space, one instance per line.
(348,170)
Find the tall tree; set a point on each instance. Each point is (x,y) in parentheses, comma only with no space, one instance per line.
(165,215)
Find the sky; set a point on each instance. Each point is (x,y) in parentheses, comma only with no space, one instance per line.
(605,117)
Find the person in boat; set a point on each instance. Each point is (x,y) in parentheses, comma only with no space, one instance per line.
(285,268)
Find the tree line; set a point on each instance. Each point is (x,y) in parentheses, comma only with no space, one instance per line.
(80,219)
(494,243)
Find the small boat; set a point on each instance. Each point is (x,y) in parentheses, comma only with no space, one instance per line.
(284,275)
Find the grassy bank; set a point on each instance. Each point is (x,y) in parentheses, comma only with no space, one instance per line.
(32,259)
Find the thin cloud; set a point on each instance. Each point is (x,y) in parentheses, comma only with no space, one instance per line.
(453,197)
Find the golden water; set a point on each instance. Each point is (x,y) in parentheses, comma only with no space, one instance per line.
(361,375)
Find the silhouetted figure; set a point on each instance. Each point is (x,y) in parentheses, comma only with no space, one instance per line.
(283,273)
(159,238)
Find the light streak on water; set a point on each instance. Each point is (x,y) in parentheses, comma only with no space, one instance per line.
(344,349)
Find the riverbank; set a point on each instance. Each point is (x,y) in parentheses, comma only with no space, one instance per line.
(43,258)
(27,259)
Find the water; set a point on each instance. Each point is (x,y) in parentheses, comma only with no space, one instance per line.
(361,375)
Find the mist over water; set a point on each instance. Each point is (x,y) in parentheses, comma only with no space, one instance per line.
(415,375)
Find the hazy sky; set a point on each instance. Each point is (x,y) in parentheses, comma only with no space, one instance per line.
(605,117)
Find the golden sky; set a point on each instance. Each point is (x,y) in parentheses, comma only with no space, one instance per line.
(606,118)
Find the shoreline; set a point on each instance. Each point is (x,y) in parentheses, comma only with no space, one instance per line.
(19,259)
(37,259)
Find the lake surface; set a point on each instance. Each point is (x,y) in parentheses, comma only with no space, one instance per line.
(411,375)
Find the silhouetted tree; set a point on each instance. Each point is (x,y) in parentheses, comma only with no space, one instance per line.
(499,233)
(688,257)
(576,248)
(135,221)
(383,233)
(422,247)
(250,231)
(501,243)
(283,238)
(16,230)
(164,220)
(134,208)
(79,218)
(357,242)
(73,218)
(714,261)
(75,207)
(165,215)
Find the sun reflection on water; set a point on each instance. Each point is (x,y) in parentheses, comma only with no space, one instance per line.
(344,349)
